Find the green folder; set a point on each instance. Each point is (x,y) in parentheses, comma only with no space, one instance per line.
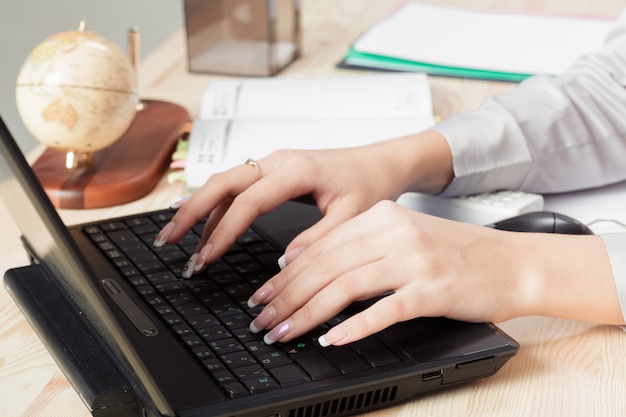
(358,59)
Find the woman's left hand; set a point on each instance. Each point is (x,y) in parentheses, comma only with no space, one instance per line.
(434,267)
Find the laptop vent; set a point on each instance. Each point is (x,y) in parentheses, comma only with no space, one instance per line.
(347,405)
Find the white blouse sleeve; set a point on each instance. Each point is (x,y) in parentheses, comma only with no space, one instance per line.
(551,134)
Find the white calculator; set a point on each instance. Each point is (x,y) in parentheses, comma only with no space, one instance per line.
(480,209)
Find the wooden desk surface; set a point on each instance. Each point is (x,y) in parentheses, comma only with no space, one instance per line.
(563,367)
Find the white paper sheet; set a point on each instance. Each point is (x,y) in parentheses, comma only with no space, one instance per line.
(491,41)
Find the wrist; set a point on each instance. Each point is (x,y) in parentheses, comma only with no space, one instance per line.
(567,277)
(424,162)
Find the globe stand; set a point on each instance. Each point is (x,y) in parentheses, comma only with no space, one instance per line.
(125,171)
(74,160)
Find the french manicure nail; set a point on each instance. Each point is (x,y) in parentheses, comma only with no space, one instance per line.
(281,262)
(164,234)
(190,266)
(263,320)
(176,204)
(203,255)
(278,332)
(333,336)
(261,295)
(293,254)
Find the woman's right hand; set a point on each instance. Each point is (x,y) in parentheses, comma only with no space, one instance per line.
(343,183)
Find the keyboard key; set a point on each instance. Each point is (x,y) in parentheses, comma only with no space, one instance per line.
(237,359)
(213,365)
(260,384)
(258,247)
(270,261)
(250,371)
(192,341)
(191,310)
(346,359)
(300,348)
(203,352)
(318,367)
(224,377)
(237,257)
(237,321)
(235,390)
(273,359)
(201,321)
(113,225)
(224,346)
(213,333)
(375,352)
(225,309)
(248,239)
(180,298)
(160,277)
(289,375)
(173,319)
(170,286)
(258,347)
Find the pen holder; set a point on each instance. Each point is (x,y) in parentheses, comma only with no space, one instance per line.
(242,37)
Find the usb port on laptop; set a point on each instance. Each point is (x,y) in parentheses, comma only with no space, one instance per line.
(430,376)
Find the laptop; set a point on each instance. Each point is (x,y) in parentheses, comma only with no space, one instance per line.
(134,340)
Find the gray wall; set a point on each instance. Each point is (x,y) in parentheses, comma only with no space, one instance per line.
(25,23)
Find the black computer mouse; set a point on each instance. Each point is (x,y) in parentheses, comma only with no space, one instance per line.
(543,222)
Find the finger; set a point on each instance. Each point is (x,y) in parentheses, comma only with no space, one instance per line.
(199,258)
(360,283)
(341,276)
(382,314)
(218,188)
(322,261)
(261,197)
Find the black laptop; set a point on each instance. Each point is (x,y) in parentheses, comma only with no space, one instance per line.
(134,340)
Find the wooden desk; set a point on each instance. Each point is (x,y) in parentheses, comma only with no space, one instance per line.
(563,368)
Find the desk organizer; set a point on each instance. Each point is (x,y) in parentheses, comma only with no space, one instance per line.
(242,37)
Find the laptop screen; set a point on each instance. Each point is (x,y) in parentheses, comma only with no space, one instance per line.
(44,235)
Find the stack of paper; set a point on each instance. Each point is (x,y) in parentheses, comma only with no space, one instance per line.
(476,44)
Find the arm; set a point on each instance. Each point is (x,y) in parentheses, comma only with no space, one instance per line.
(434,267)
(531,138)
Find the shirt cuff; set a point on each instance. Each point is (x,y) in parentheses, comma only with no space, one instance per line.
(488,151)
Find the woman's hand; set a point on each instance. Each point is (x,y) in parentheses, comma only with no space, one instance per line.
(434,267)
(343,183)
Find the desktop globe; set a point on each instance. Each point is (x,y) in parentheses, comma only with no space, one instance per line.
(77,93)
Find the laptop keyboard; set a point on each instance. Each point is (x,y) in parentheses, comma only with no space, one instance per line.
(209,313)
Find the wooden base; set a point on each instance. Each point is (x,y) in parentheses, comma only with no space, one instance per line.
(125,171)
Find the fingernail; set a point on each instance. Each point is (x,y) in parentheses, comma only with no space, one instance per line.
(263,320)
(288,257)
(261,295)
(190,266)
(203,255)
(278,332)
(333,336)
(281,262)
(164,234)
(176,204)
